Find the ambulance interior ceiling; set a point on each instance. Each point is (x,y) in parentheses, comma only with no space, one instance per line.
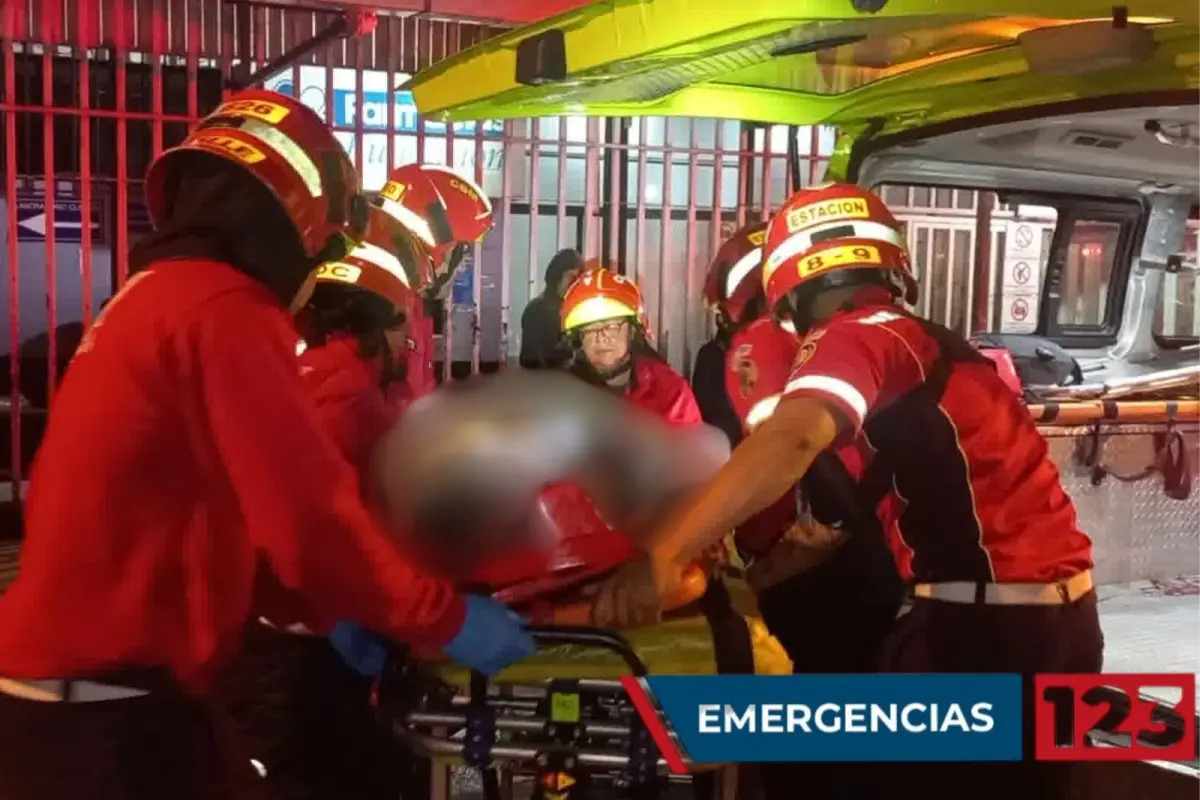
(1114,152)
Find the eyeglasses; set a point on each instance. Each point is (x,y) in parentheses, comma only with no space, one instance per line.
(604,330)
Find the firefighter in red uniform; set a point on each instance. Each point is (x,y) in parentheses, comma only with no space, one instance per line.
(604,320)
(831,598)
(984,529)
(185,484)
(296,708)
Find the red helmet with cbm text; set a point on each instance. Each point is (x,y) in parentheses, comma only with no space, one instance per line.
(734,280)
(445,210)
(833,236)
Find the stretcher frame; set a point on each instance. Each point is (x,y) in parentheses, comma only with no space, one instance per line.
(491,729)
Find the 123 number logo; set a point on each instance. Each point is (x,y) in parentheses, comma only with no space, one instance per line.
(1069,708)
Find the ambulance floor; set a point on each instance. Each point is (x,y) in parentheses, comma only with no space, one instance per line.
(1152,626)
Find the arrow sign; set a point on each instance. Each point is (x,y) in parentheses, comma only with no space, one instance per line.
(68,220)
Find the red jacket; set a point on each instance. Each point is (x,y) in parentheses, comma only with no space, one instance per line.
(184,455)
(657,388)
(981,500)
(356,411)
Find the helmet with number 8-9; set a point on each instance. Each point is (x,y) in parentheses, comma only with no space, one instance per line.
(448,212)
(599,294)
(286,146)
(734,280)
(830,237)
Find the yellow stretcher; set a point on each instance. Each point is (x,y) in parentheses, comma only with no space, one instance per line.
(516,724)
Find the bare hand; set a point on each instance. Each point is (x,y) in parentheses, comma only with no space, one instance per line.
(633,597)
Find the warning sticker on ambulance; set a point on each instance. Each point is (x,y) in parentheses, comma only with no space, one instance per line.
(235,148)
(826,211)
(271,113)
(838,257)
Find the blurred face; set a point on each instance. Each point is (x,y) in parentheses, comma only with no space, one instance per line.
(606,343)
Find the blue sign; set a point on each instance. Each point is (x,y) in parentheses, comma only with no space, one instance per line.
(405,119)
(747,718)
(462,291)
(68,220)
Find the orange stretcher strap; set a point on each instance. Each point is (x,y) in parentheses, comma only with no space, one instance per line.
(1144,411)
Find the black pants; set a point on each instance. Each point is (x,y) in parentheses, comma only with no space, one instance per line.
(157,746)
(835,618)
(956,637)
(296,709)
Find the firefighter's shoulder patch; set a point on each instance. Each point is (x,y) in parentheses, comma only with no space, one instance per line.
(746,368)
(808,347)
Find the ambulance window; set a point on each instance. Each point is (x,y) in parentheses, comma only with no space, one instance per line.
(1177,317)
(1084,287)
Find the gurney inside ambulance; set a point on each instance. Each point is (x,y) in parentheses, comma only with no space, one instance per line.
(534,487)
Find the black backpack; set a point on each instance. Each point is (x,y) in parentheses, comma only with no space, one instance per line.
(1039,361)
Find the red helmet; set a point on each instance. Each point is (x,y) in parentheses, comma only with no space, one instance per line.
(286,146)
(734,278)
(857,237)
(597,295)
(390,262)
(446,211)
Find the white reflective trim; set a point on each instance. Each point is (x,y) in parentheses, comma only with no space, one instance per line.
(487,203)
(834,386)
(409,219)
(739,271)
(381,258)
(802,241)
(288,150)
(762,411)
(788,326)
(301,346)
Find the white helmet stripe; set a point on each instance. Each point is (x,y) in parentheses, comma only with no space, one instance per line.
(381,258)
(739,271)
(802,241)
(409,219)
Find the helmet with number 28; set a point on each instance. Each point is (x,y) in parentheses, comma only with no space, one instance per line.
(446,211)
(831,237)
(285,146)
(598,295)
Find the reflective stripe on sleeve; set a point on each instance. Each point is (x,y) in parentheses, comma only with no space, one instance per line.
(832,386)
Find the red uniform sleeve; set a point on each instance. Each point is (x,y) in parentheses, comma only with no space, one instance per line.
(854,363)
(299,497)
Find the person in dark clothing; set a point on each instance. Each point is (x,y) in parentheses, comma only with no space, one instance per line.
(542,344)
(708,384)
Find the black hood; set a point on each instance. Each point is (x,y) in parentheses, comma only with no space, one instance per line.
(217,210)
(563,262)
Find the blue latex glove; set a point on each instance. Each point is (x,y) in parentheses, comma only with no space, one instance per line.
(365,652)
(491,637)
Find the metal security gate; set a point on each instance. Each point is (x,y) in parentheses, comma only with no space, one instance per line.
(87,98)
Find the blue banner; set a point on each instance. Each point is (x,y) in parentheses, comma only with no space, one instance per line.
(746,718)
